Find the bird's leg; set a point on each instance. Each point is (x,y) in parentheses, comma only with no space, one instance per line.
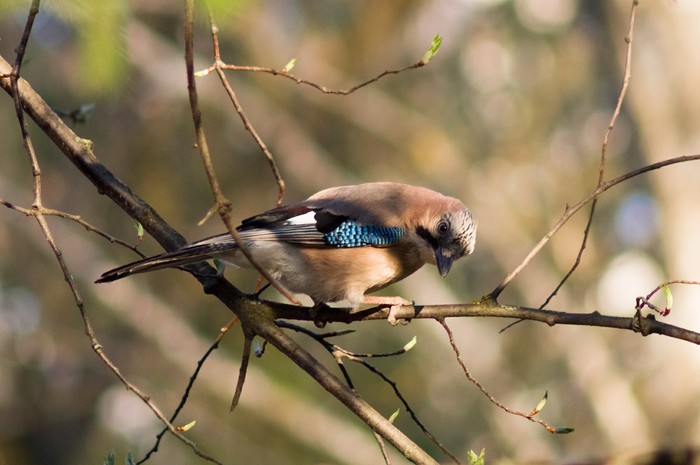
(394,303)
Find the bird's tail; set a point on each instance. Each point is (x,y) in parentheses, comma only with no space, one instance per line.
(191,253)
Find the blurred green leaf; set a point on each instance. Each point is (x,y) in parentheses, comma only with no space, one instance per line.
(100,30)
(669,298)
(102,45)
(101,42)
(432,51)
(290,64)
(188,426)
(409,345)
(473,459)
(394,415)
(541,404)
(139,231)
(14,6)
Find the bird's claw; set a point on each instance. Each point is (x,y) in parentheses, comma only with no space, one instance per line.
(394,303)
(316,314)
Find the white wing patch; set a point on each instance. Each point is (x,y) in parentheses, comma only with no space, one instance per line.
(306,218)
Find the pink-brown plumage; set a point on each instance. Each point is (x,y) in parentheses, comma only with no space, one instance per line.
(395,229)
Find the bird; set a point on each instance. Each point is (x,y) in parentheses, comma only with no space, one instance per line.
(339,244)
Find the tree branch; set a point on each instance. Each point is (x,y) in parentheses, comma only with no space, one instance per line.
(645,325)
(257,317)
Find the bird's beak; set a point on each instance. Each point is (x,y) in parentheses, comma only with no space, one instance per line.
(444,261)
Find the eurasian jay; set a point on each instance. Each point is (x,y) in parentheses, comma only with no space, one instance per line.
(339,243)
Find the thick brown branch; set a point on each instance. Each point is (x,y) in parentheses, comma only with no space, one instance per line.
(259,318)
(488,308)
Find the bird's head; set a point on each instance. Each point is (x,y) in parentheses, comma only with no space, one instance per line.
(451,235)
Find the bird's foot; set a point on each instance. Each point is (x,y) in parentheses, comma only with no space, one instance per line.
(316,313)
(394,304)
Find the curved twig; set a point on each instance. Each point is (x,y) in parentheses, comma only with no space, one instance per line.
(571,210)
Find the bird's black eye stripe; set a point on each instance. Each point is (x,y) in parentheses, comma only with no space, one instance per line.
(429,238)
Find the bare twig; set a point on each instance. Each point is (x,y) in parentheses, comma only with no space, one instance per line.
(382,447)
(43,225)
(258,316)
(243,370)
(644,301)
(340,353)
(223,205)
(319,87)
(188,389)
(601,172)
(571,210)
(76,218)
(218,64)
(475,382)
(284,72)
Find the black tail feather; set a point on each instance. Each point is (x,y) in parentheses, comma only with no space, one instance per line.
(189,254)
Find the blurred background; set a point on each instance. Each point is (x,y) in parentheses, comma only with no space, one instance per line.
(509,117)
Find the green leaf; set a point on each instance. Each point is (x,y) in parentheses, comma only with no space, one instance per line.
(473,459)
(102,43)
(541,404)
(201,73)
(394,415)
(290,64)
(432,51)
(139,231)
(409,345)
(110,459)
(188,426)
(563,430)
(669,299)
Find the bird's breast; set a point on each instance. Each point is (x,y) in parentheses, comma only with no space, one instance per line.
(334,274)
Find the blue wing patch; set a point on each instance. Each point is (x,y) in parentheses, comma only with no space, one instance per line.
(351,234)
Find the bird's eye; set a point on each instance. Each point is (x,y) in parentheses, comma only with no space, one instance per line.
(443,227)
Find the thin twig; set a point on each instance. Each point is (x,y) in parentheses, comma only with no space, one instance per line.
(218,64)
(242,371)
(43,225)
(484,391)
(406,405)
(76,218)
(321,88)
(340,353)
(492,309)
(601,172)
(223,205)
(382,447)
(644,301)
(571,210)
(79,152)
(188,389)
